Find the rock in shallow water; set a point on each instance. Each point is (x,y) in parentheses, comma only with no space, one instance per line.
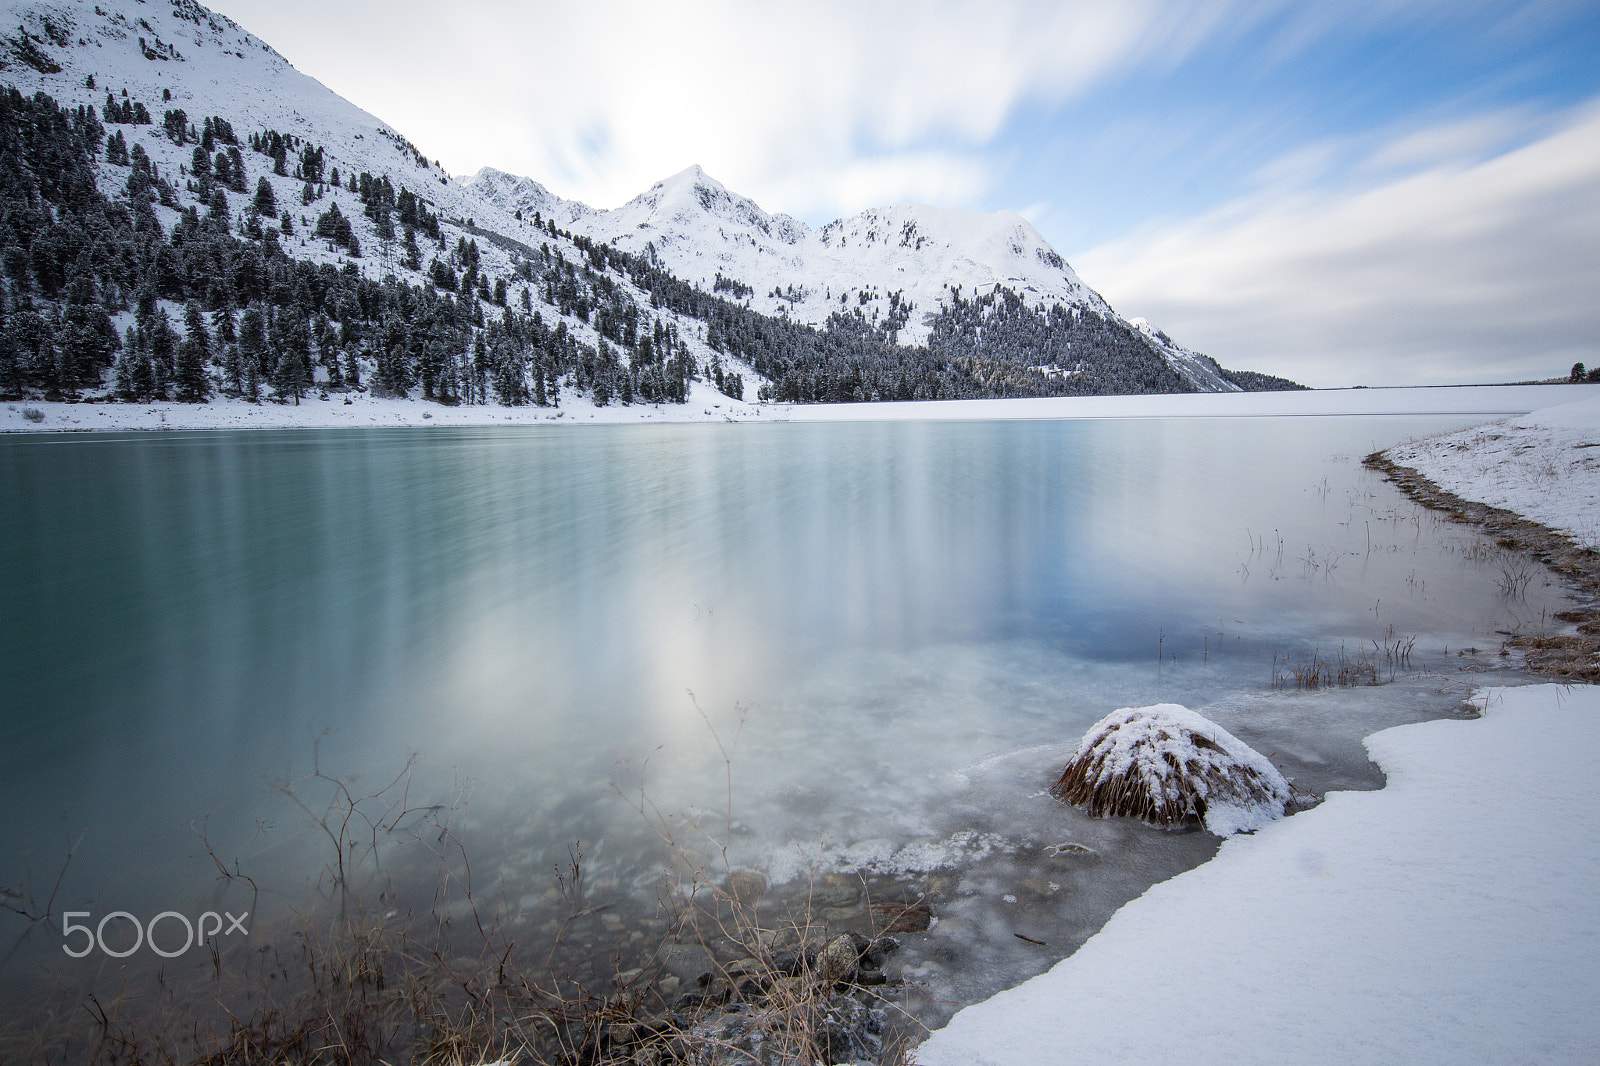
(838,960)
(1172,767)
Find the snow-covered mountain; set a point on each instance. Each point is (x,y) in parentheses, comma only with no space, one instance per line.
(180,56)
(897,273)
(176,54)
(898,265)
(512,195)
(179,61)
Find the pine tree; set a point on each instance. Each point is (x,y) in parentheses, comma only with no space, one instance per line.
(176,126)
(292,375)
(193,383)
(266,201)
(218,214)
(352,368)
(251,389)
(161,341)
(236,172)
(253,340)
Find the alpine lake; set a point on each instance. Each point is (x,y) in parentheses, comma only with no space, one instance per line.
(615,695)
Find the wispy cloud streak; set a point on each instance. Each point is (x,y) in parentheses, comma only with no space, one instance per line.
(1464,270)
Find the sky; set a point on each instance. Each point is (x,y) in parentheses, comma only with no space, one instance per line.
(1362,192)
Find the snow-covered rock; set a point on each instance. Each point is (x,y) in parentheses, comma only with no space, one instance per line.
(1172,766)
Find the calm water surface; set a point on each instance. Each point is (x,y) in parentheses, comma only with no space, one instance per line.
(915,621)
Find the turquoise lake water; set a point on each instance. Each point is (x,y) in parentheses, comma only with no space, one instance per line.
(914,621)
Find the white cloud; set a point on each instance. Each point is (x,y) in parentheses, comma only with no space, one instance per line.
(905,177)
(807,107)
(1465,270)
(1467,138)
(824,105)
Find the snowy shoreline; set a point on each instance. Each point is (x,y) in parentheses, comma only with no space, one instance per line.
(705,404)
(1449,917)
(1545,466)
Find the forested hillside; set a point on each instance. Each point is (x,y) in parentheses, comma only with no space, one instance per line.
(184,217)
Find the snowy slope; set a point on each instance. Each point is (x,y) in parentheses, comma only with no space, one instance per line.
(208,65)
(883,258)
(1201,371)
(176,54)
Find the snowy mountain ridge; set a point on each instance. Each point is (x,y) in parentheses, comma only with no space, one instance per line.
(173,56)
(894,270)
(897,264)
(177,54)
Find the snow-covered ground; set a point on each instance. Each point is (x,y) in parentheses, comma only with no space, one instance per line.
(708,405)
(1544,465)
(1453,916)
(705,404)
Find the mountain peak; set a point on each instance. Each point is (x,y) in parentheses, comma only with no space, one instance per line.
(692,175)
(689,185)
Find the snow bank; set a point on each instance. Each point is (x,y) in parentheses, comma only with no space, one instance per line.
(707,405)
(1171,766)
(1453,916)
(1544,465)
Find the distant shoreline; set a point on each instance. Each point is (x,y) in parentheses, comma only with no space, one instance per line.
(705,404)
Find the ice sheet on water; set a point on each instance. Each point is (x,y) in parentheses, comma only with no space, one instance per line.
(793,861)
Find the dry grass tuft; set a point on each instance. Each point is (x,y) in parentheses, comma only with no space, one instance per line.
(1170,767)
